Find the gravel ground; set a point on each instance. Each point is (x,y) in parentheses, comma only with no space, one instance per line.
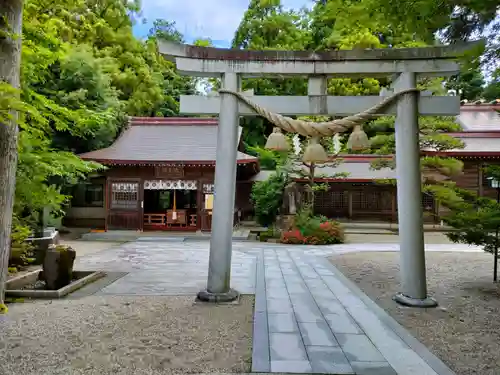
(126,335)
(465,330)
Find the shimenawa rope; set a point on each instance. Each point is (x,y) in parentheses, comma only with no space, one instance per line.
(318,129)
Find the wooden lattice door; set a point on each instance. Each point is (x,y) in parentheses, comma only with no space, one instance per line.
(332,203)
(124,207)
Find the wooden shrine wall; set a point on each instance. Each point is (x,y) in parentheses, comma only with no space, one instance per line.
(365,202)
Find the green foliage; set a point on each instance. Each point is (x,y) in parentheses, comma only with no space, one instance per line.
(272,232)
(475,221)
(468,84)
(313,230)
(432,137)
(267,197)
(9,102)
(82,72)
(451,20)
(268,159)
(335,24)
(459,19)
(306,222)
(266,24)
(492,90)
(21,252)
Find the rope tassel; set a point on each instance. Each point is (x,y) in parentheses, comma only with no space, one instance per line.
(277,141)
(358,140)
(315,153)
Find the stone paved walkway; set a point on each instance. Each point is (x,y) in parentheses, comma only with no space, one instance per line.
(165,268)
(308,317)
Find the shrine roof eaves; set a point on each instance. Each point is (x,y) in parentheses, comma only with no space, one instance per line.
(165,141)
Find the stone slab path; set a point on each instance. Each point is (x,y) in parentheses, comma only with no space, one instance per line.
(165,268)
(308,317)
(308,320)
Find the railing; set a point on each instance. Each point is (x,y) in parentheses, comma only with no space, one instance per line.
(183,220)
(154,220)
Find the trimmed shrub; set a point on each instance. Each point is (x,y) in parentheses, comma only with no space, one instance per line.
(267,198)
(21,252)
(314,231)
(268,234)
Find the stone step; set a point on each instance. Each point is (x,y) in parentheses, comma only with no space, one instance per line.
(240,234)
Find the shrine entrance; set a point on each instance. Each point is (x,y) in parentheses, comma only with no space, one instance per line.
(403,68)
(170,205)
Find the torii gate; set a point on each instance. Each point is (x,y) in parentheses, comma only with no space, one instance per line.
(404,65)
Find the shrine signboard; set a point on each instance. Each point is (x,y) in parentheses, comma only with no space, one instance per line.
(169,171)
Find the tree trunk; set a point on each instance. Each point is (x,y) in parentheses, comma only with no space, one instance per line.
(11,12)
(312,170)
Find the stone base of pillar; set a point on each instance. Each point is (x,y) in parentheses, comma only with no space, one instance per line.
(229,296)
(415,302)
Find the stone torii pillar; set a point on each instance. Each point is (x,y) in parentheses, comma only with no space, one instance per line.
(407,64)
(219,267)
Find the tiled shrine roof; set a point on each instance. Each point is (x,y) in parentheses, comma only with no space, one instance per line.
(169,140)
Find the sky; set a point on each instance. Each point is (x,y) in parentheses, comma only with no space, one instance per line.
(214,19)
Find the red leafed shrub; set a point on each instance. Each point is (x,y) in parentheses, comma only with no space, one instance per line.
(315,233)
(293,237)
(334,231)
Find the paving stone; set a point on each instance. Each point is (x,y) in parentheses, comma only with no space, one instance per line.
(260,301)
(317,334)
(342,323)
(277,293)
(307,313)
(299,299)
(339,289)
(260,347)
(273,275)
(289,272)
(294,367)
(293,279)
(373,368)
(328,360)
(330,306)
(316,284)
(287,347)
(280,305)
(358,348)
(275,283)
(297,288)
(323,271)
(309,275)
(282,323)
(272,268)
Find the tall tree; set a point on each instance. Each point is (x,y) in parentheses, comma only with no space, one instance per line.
(266,24)
(10,55)
(333,24)
(492,89)
(83,71)
(468,84)
(452,20)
